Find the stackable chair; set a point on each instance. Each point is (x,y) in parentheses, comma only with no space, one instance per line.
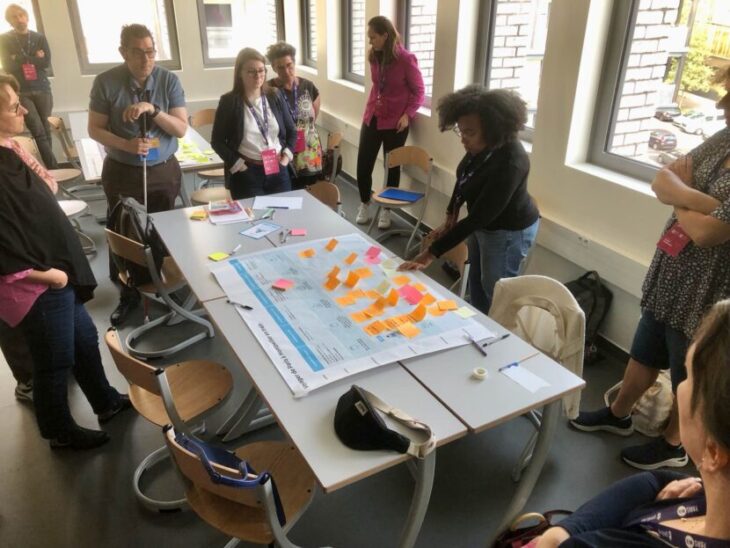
(459,255)
(62,176)
(203,196)
(58,130)
(401,157)
(201,118)
(183,394)
(165,283)
(255,494)
(73,210)
(334,138)
(326,192)
(544,313)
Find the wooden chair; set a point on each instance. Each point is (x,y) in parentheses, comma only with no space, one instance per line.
(327,193)
(62,176)
(401,157)
(205,117)
(334,139)
(246,512)
(165,283)
(203,196)
(459,255)
(181,394)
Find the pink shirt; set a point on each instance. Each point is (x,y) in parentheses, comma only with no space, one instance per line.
(32,163)
(17,296)
(402,91)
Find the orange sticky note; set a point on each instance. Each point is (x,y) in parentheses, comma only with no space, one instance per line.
(307,253)
(418,313)
(363,272)
(334,272)
(428,299)
(331,245)
(391,324)
(375,328)
(409,330)
(380,303)
(359,317)
(345,300)
(372,294)
(331,283)
(447,305)
(357,294)
(373,311)
(401,280)
(435,311)
(392,299)
(351,258)
(352,279)
(422,288)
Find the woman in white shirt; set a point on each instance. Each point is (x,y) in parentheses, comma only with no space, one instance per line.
(253,131)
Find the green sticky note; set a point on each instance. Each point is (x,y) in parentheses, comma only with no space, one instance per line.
(465,312)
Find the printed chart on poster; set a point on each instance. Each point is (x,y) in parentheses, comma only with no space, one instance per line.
(326,309)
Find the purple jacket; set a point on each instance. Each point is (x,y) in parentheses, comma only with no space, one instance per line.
(403,90)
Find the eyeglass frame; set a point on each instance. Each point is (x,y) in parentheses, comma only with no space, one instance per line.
(139,52)
(255,72)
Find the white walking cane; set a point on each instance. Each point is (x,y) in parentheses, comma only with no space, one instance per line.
(144,162)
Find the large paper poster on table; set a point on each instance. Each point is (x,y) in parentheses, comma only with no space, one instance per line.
(326,309)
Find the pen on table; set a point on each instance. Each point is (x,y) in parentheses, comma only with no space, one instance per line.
(283,235)
(234,250)
(478,346)
(497,339)
(518,362)
(236,303)
(278,207)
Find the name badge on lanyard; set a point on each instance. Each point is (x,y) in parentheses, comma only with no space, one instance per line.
(674,240)
(268,155)
(29,72)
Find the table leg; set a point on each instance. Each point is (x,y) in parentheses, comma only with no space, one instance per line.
(531,474)
(421,495)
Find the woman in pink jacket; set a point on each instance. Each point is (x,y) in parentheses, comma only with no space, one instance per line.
(394,98)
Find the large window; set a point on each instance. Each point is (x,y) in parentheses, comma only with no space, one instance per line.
(420,36)
(308,11)
(658,100)
(97,26)
(512,56)
(353,40)
(31,6)
(227,26)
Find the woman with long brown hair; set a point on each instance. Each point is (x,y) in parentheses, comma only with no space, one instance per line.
(253,131)
(394,98)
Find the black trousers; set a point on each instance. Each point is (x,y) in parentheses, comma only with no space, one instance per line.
(370,140)
(39,105)
(16,352)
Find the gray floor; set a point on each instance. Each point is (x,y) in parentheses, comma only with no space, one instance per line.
(71,499)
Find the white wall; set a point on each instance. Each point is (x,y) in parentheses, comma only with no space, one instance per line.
(593,218)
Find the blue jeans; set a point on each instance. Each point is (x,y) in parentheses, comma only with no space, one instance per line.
(495,254)
(254,182)
(62,338)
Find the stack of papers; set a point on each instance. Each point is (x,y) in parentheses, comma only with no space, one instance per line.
(233,212)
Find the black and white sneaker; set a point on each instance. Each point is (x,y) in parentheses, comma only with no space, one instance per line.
(658,453)
(603,419)
(24,391)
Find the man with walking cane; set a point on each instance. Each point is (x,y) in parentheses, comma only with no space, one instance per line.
(137,111)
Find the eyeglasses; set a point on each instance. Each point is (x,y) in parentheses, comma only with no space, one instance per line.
(460,133)
(256,72)
(456,130)
(15,109)
(137,52)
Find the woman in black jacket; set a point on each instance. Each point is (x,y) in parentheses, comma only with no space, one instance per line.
(253,131)
(502,220)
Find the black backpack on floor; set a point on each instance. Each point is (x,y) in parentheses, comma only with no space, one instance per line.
(595,300)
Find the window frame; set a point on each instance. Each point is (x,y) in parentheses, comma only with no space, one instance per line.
(40,30)
(223,62)
(346,42)
(403,25)
(306,22)
(613,71)
(90,69)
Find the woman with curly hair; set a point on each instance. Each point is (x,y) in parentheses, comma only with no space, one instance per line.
(502,219)
(394,98)
(302,98)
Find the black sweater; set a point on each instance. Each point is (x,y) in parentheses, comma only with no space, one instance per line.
(496,195)
(23,48)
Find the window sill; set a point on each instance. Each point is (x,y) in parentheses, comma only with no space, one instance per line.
(350,85)
(625,181)
(306,70)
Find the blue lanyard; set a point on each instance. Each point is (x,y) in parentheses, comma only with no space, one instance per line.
(465,177)
(263,126)
(25,51)
(294,111)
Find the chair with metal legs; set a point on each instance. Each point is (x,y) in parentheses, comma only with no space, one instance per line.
(183,394)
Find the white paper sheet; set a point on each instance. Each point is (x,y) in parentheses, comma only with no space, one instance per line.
(277,202)
(526,379)
(260,230)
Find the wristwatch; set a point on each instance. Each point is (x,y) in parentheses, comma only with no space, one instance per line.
(156,111)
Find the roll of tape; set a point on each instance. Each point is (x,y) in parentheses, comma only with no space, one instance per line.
(479,374)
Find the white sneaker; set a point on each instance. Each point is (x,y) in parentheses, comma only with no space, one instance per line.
(363,214)
(384,219)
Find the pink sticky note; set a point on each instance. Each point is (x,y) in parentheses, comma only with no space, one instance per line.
(282,284)
(374,251)
(298,232)
(410,294)
(372,259)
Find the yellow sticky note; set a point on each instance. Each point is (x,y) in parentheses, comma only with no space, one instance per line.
(418,313)
(409,330)
(331,245)
(358,317)
(401,280)
(218,256)
(383,287)
(363,272)
(375,328)
(435,311)
(465,312)
(422,288)
(334,272)
(428,299)
(351,258)
(447,305)
(392,299)
(331,283)
(307,253)
(345,300)
(372,294)
(199,215)
(352,279)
